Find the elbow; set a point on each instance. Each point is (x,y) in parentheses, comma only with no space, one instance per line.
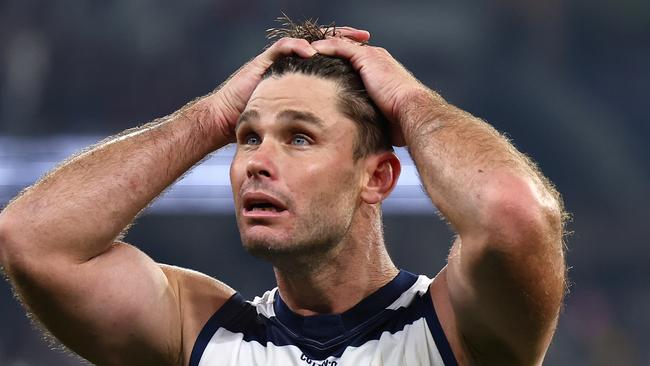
(519,212)
(4,241)
(12,252)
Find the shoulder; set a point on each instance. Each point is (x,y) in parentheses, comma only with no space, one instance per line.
(199,296)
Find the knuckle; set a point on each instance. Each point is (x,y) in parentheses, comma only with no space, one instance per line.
(288,42)
(379,53)
(283,42)
(382,51)
(302,42)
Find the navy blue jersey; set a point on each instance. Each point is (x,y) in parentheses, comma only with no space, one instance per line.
(396,325)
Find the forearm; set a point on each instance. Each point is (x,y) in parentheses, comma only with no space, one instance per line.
(79,208)
(505,271)
(467,167)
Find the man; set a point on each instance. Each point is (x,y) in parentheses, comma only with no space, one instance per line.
(312,167)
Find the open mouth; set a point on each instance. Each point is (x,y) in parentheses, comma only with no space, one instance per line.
(263,207)
(261,204)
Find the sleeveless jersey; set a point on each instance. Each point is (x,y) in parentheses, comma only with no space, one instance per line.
(396,325)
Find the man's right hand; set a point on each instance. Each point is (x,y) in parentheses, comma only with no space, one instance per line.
(232,96)
(230,99)
(59,239)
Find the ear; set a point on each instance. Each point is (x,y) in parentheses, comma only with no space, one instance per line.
(382,171)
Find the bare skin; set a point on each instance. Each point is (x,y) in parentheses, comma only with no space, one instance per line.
(498,298)
(505,276)
(330,197)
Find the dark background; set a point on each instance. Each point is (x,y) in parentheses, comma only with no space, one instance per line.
(567,81)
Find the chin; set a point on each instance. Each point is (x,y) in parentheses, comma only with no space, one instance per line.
(297,242)
(260,241)
(278,249)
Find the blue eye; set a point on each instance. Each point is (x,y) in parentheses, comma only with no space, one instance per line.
(299,140)
(252,139)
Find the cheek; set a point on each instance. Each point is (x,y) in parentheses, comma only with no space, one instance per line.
(235,176)
(330,186)
(316,178)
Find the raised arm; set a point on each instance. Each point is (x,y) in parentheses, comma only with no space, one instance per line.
(59,239)
(505,274)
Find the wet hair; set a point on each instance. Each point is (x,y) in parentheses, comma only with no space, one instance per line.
(353,99)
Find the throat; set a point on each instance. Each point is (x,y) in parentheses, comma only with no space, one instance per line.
(330,290)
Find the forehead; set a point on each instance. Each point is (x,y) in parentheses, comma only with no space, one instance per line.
(295,91)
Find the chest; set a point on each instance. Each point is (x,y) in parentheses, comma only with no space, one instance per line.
(412,345)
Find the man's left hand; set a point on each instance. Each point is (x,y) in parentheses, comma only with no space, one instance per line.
(388,83)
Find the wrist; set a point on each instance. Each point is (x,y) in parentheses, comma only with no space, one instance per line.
(419,107)
(210,120)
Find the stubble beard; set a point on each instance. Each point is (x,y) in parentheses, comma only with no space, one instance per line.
(308,244)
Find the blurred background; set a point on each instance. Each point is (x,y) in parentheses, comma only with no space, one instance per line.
(567,81)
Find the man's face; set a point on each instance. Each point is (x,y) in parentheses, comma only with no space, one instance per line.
(295,184)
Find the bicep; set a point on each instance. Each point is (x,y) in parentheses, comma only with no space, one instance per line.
(506,299)
(117,308)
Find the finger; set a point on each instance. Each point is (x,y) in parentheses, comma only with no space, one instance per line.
(357,34)
(289,46)
(337,47)
(348,32)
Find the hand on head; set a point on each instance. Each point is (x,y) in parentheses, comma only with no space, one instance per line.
(388,83)
(232,96)
(357,35)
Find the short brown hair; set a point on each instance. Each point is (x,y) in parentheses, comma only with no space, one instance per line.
(353,100)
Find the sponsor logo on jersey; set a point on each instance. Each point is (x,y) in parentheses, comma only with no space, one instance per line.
(311,362)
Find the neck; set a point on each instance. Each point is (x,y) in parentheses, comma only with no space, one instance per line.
(338,280)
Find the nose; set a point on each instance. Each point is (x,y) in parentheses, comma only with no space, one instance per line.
(261,163)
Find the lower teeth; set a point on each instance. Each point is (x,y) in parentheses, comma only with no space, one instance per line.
(264,209)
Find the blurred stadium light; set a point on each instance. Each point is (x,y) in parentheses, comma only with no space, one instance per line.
(205,189)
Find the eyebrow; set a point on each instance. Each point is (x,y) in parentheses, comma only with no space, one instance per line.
(292,115)
(247,116)
(252,115)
